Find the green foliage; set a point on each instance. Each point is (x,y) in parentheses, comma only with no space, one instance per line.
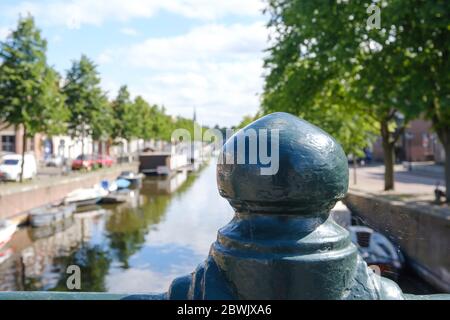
(326,47)
(313,68)
(246,120)
(139,119)
(29,88)
(90,112)
(146,112)
(126,116)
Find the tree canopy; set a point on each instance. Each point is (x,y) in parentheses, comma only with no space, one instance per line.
(90,113)
(329,65)
(29,87)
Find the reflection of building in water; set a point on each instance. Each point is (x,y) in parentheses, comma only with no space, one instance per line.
(100,243)
(34,265)
(173,183)
(165,185)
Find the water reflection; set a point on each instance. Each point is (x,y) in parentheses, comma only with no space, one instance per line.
(139,246)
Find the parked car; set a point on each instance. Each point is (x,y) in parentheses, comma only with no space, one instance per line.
(104,161)
(85,161)
(11,165)
(54,161)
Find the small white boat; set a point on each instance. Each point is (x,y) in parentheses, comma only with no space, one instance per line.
(51,214)
(7,229)
(134,178)
(377,250)
(87,196)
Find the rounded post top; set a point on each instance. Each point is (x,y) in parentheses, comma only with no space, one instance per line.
(282,164)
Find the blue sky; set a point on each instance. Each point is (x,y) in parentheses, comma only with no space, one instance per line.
(181,54)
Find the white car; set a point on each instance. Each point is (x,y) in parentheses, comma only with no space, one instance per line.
(10,167)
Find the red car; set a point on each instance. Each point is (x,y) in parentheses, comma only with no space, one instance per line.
(83,162)
(104,161)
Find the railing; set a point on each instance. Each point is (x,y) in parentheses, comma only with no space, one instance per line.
(281,243)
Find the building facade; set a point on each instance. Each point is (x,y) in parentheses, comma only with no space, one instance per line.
(418,143)
(11,141)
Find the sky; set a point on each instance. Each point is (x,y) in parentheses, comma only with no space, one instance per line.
(183,54)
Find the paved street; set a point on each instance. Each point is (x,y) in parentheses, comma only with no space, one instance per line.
(420,186)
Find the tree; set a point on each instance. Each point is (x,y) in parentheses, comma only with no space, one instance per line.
(246,120)
(126,116)
(163,124)
(145,123)
(29,88)
(322,43)
(423,40)
(89,109)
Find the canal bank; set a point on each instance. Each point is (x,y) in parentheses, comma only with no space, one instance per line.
(420,230)
(16,199)
(136,246)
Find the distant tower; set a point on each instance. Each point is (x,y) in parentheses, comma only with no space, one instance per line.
(195,116)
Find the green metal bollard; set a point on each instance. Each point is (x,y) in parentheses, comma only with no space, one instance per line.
(281,243)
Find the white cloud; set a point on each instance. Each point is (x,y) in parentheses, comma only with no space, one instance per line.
(215,68)
(104,57)
(128,31)
(4,32)
(75,13)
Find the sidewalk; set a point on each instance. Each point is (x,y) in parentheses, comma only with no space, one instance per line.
(16,199)
(51,175)
(409,186)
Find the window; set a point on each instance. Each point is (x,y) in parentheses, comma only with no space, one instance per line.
(9,143)
(11,162)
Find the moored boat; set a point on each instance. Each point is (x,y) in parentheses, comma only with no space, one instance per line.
(122,183)
(50,214)
(119,196)
(135,179)
(377,250)
(87,196)
(7,229)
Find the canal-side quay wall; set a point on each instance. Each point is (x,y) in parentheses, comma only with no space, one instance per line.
(421,231)
(17,199)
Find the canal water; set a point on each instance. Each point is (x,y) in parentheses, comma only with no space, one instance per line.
(141,246)
(165,231)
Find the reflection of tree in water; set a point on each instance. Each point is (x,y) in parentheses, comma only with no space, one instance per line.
(127,228)
(94,264)
(189,182)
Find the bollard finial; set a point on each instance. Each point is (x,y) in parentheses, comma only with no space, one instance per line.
(312,170)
